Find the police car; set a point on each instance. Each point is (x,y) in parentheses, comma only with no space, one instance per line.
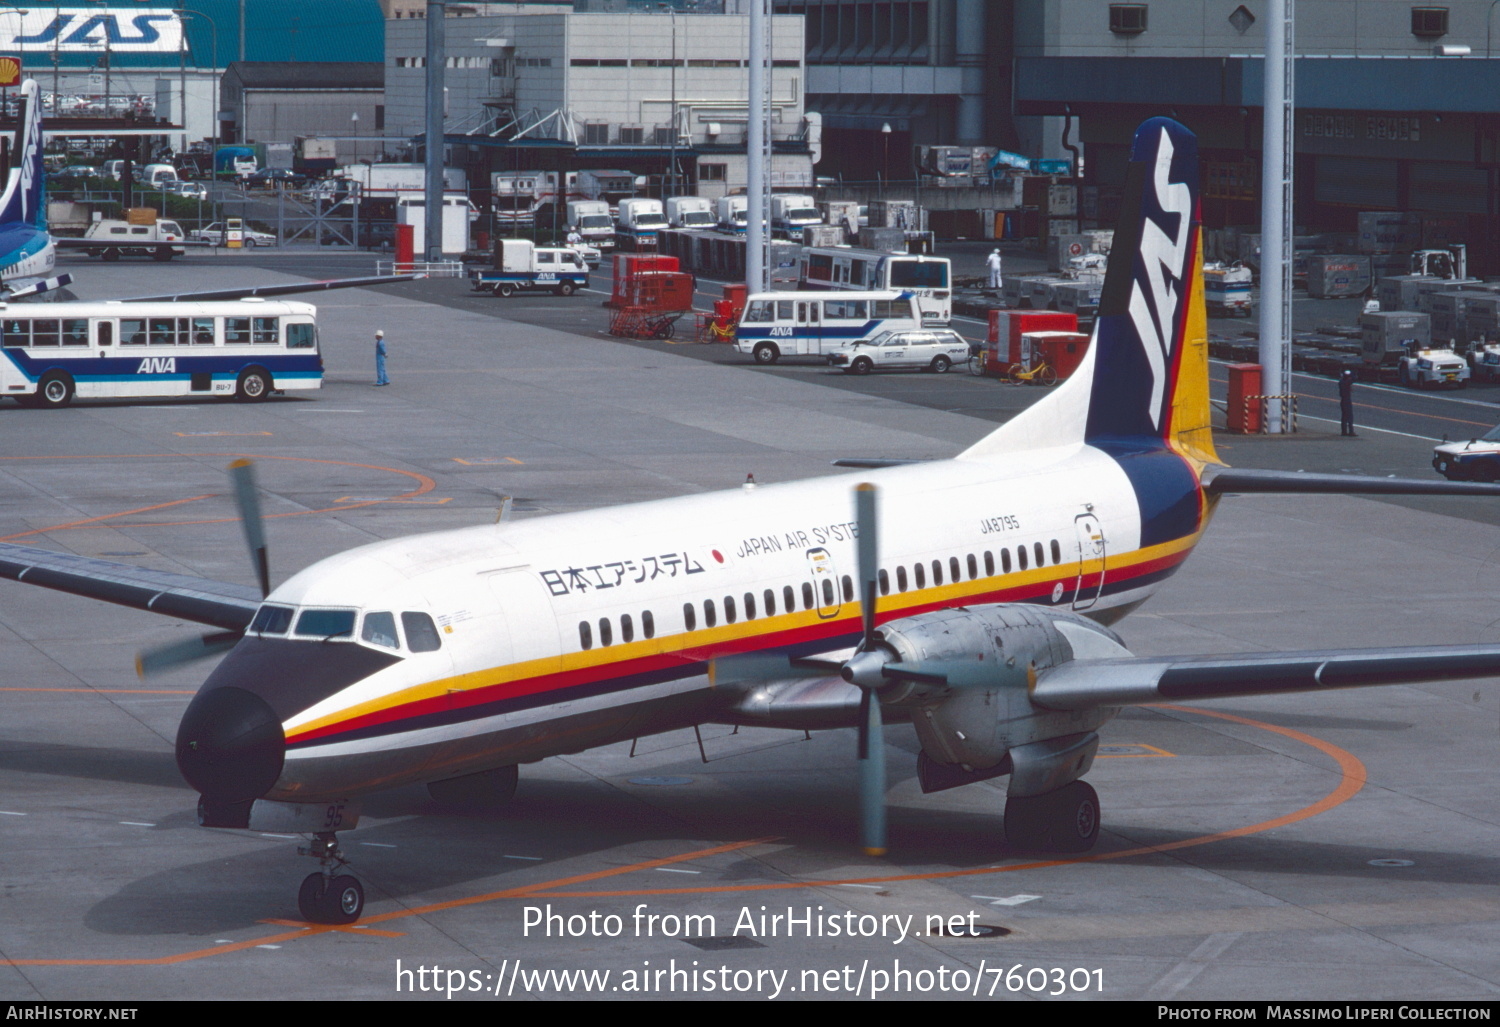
(1474,460)
(932,350)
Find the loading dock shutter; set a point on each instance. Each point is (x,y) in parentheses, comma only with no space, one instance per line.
(1453,188)
(1362,182)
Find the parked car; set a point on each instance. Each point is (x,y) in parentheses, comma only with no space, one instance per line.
(931,350)
(73,173)
(214,233)
(1474,460)
(189,190)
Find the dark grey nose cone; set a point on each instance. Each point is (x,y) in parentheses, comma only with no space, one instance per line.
(230,746)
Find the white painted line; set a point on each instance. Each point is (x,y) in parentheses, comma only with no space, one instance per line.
(286,836)
(135,823)
(674,870)
(8,813)
(521,857)
(223,941)
(1009,900)
(378,845)
(268,946)
(877,887)
(329,410)
(1366,427)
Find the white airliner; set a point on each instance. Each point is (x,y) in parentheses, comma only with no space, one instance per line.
(979,615)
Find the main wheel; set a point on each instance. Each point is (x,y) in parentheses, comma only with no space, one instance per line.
(566,289)
(486,790)
(254,385)
(54,390)
(766,353)
(940,364)
(1066,820)
(861,365)
(505,289)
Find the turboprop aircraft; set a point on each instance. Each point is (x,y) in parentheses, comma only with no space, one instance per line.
(970,596)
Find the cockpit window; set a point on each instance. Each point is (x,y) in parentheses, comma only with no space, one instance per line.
(326,623)
(421,634)
(380,629)
(271,620)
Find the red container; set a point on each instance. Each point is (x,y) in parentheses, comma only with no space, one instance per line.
(1007,327)
(406,246)
(629,265)
(1063,350)
(660,290)
(1244,381)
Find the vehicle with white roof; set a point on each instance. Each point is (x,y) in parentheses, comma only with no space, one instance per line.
(1474,460)
(928,350)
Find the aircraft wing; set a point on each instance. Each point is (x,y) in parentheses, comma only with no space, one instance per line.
(287,289)
(1134,681)
(218,603)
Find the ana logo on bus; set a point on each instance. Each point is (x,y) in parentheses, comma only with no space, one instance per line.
(781,331)
(157,365)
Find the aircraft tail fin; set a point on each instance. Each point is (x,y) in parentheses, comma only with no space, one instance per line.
(1144,382)
(24,200)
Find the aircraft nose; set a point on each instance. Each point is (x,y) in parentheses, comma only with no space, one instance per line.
(230,745)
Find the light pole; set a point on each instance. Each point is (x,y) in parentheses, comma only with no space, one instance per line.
(213,29)
(885,138)
(672,168)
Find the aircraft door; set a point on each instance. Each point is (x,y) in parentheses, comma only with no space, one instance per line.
(828,597)
(1091,560)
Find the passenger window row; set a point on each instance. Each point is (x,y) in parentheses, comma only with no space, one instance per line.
(1024,559)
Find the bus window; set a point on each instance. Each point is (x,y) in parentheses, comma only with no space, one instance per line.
(16,331)
(203,331)
(918,274)
(758,312)
(850,310)
(75,331)
(106,333)
(783,310)
(300,336)
(163,331)
(132,332)
(236,330)
(44,331)
(265,330)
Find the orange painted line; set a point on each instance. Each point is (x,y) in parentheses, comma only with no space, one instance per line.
(105,517)
(109,691)
(1351,779)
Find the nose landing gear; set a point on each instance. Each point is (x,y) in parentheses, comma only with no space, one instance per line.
(328,896)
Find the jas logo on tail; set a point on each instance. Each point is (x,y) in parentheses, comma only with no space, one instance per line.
(158,365)
(1156,308)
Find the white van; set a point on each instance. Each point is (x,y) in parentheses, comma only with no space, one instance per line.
(158,175)
(813,324)
(111,240)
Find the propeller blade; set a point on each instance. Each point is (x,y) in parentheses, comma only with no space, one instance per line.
(163,658)
(869,559)
(242,472)
(871,775)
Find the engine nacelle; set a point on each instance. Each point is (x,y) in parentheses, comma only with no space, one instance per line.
(991,655)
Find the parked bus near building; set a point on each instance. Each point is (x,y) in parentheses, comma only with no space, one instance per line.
(245,349)
(800,324)
(930,279)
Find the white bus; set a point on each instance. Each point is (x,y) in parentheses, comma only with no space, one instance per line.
(245,349)
(930,279)
(803,324)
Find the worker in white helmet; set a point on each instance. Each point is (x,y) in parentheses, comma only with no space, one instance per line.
(993,263)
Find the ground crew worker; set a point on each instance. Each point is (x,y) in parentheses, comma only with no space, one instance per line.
(1346,402)
(993,263)
(380,377)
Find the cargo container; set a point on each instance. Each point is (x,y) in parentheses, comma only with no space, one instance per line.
(1386,336)
(1332,275)
(1389,232)
(1003,345)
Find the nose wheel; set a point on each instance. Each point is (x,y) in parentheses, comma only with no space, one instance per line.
(328,896)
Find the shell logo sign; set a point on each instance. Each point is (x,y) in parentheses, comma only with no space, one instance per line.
(10,71)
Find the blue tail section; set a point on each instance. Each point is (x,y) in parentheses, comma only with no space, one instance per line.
(24,201)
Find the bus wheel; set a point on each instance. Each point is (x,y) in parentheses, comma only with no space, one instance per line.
(54,390)
(110,254)
(766,353)
(254,385)
(565,289)
(504,289)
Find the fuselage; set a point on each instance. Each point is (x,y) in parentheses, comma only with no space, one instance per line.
(560,633)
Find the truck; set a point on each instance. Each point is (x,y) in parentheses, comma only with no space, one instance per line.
(639,220)
(591,220)
(411,209)
(690,212)
(732,213)
(1401,341)
(235,162)
(791,212)
(517,196)
(601,184)
(521,264)
(315,156)
(377,181)
(1226,289)
(111,239)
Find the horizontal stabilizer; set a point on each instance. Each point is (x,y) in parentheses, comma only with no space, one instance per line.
(1083,684)
(290,289)
(1219,480)
(873,461)
(218,603)
(26,288)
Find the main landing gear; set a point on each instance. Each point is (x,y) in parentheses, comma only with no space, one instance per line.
(328,896)
(1066,820)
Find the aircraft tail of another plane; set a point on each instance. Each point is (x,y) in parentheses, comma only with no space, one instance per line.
(1144,382)
(24,199)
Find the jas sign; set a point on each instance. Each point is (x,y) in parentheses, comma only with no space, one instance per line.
(92,29)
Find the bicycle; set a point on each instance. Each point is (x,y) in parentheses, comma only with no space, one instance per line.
(977,363)
(1041,374)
